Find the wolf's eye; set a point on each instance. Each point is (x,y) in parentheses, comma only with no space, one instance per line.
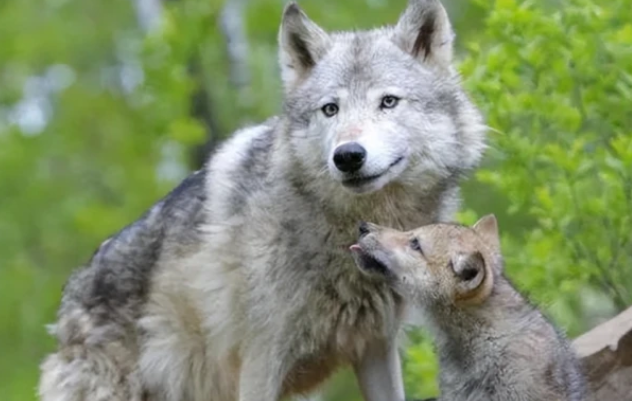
(389,102)
(330,109)
(415,245)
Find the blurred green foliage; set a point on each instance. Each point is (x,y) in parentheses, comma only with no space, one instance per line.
(96,124)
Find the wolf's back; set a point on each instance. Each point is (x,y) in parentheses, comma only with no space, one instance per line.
(119,272)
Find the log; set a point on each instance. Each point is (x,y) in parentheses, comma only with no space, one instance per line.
(606,355)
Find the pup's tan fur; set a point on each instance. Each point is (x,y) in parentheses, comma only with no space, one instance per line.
(493,345)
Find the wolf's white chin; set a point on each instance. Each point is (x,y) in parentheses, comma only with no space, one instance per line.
(368,187)
(379,182)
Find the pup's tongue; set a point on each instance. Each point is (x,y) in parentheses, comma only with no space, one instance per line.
(355,248)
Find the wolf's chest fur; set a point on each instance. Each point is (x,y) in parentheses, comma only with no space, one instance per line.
(340,313)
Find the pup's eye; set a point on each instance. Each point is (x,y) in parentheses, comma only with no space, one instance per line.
(415,246)
(330,109)
(389,102)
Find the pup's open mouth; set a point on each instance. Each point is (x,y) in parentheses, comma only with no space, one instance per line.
(366,261)
(358,181)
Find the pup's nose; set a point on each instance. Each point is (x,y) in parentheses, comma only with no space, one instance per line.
(363,228)
(349,157)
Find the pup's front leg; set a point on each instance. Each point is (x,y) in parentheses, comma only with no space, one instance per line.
(379,372)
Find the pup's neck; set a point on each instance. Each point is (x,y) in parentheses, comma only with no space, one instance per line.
(462,333)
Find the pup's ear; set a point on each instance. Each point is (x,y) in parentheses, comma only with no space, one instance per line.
(487,228)
(302,44)
(470,272)
(424,31)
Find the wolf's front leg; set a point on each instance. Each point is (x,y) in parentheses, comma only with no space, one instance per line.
(262,373)
(379,372)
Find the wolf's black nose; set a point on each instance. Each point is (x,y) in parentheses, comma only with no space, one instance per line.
(363,228)
(349,157)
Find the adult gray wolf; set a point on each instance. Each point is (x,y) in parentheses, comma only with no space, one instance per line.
(238,285)
(493,345)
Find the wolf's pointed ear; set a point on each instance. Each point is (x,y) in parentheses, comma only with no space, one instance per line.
(470,272)
(424,31)
(487,228)
(301,44)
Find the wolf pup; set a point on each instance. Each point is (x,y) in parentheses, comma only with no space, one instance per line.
(238,285)
(492,344)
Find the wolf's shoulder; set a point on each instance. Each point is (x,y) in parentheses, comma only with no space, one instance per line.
(118,276)
(241,168)
(245,147)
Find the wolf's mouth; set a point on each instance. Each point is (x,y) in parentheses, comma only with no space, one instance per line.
(368,262)
(359,181)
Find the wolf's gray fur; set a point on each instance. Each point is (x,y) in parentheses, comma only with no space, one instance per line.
(493,345)
(238,286)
